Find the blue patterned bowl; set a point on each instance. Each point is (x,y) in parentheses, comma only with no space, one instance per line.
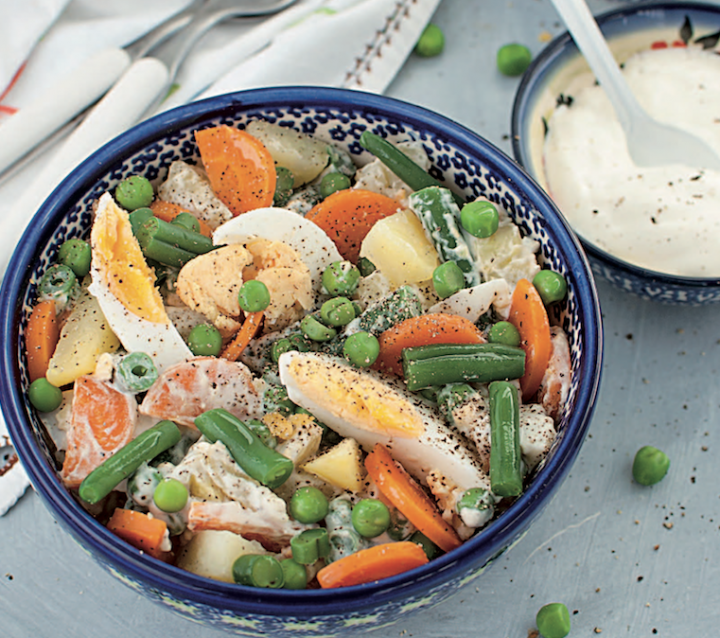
(628,30)
(461,159)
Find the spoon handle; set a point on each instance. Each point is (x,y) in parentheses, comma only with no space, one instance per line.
(591,42)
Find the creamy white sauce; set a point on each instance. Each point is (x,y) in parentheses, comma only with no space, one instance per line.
(662,218)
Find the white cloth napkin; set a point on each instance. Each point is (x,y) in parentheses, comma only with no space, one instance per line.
(359,44)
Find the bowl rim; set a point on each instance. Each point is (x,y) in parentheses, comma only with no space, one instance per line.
(533,76)
(505,529)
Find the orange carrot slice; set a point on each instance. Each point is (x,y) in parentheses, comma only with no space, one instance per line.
(528,315)
(41,337)
(422,331)
(139,529)
(348,215)
(167,211)
(101,422)
(373,563)
(245,335)
(405,494)
(239,166)
(186,390)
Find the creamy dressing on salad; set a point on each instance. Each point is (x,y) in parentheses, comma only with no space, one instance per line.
(662,218)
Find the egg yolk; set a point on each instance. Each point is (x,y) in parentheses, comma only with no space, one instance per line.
(359,399)
(118,260)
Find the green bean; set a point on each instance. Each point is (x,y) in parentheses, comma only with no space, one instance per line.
(187,220)
(176,235)
(76,254)
(440,217)
(505,455)
(431,549)
(650,465)
(161,252)
(104,478)
(553,620)
(137,372)
(139,217)
(44,396)
(310,545)
(256,459)
(258,570)
(408,171)
(443,364)
(263,432)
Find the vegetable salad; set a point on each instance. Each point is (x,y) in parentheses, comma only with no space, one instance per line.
(279,369)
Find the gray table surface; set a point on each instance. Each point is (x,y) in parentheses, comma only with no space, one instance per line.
(626,560)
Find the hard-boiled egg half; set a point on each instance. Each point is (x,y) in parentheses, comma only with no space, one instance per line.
(124,285)
(313,245)
(369,408)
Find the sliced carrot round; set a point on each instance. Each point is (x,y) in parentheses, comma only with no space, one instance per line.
(239,167)
(373,563)
(348,215)
(405,494)
(528,315)
(422,331)
(102,421)
(41,337)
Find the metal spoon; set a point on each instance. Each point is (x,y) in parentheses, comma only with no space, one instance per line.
(650,143)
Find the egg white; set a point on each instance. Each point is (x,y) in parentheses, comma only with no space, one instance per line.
(375,409)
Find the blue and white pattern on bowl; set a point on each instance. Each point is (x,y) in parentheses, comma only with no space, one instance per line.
(460,159)
(628,30)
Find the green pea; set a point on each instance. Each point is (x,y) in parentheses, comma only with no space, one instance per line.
(254,296)
(504,332)
(187,220)
(448,279)
(262,431)
(480,218)
(76,254)
(370,517)
(315,330)
(170,495)
(551,286)
(365,266)
(513,59)
(338,311)
(308,505)
(431,42)
(553,620)
(44,396)
(295,574)
(431,549)
(650,465)
(283,185)
(205,340)
(333,182)
(361,349)
(341,278)
(134,192)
